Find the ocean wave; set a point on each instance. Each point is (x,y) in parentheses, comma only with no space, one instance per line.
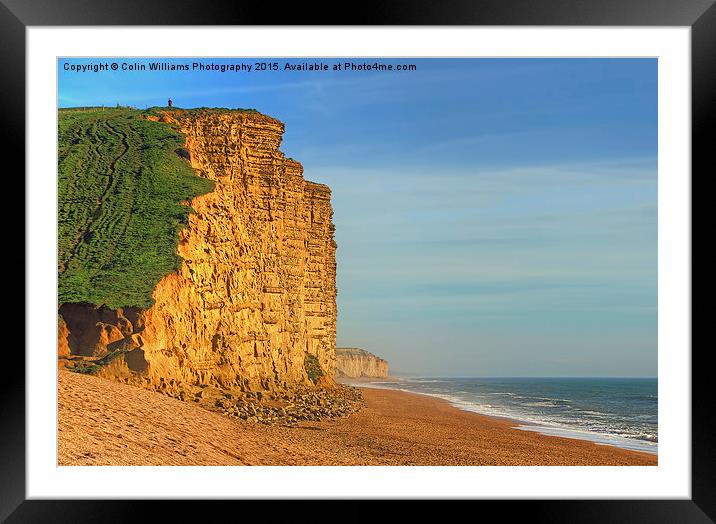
(500,393)
(598,438)
(648,437)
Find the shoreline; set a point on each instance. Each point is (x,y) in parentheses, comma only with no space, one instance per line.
(519,424)
(101,422)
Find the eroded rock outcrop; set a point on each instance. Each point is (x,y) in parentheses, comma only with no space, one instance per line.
(256,291)
(357,363)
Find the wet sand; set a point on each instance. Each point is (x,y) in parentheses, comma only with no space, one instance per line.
(101,422)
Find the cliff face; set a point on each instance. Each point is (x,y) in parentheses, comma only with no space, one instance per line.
(256,291)
(356,363)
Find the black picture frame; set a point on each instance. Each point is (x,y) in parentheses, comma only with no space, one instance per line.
(16,15)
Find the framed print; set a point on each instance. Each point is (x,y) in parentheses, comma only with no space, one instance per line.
(444,254)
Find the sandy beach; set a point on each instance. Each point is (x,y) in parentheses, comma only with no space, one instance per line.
(101,422)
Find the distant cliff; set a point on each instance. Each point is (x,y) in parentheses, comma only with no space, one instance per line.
(254,298)
(356,363)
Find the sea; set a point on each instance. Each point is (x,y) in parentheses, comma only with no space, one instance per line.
(620,412)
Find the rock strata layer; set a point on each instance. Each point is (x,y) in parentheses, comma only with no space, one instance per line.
(256,291)
(357,363)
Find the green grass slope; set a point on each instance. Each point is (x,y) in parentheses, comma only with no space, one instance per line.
(121,184)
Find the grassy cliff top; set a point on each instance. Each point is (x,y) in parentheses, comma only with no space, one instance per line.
(203,112)
(356,352)
(149,110)
(204,109)
(121,184)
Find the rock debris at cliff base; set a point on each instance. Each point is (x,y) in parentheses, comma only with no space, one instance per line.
(292,407)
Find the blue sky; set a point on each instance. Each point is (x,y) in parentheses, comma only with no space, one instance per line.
(494,217)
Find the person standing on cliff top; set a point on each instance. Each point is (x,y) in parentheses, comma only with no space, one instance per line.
(169,103)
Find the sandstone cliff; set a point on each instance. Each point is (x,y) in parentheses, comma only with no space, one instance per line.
(357,363)
(256,291)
